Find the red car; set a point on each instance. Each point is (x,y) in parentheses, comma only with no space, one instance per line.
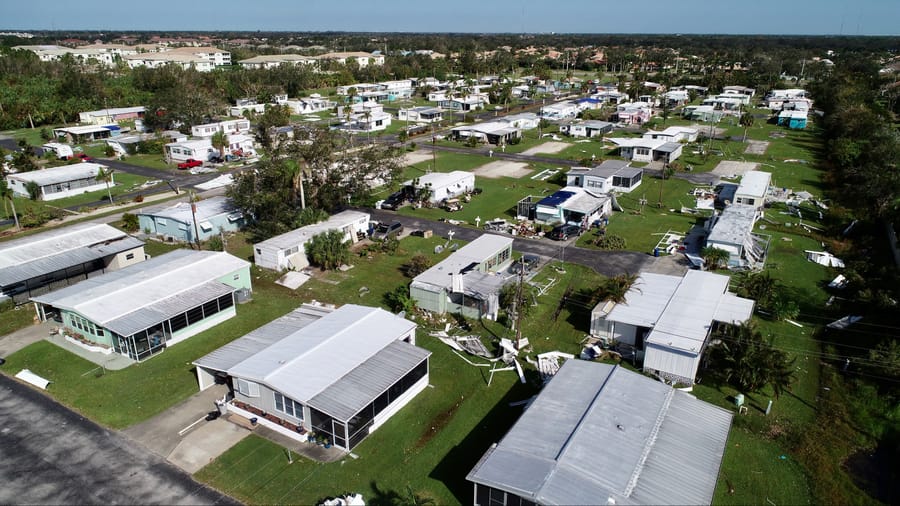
(83,157)
(189,164)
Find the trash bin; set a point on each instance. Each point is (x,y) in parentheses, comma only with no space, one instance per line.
(221,407)
(656,252)
(739,400)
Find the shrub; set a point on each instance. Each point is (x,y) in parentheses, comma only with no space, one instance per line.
(610,242)
(215,243)
(328,250)
(109,151)
(417,265)
(130,222)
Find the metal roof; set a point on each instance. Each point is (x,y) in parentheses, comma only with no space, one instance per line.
(303,234)
(442,179)
(305,363)
(598,434)
(734,225)
(109,297)
(477,251)
(685,322)
(755,183)
(347,396)
(240,349)
(62,174)
(206,209)
(646,300)
(148,316)
(608,169)
(39,254)
(669,147)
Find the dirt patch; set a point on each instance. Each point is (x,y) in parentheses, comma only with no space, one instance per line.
(756,147)
(437,424)
(502,168)
(415,157)
(547,147)
(729,168)
(706,130)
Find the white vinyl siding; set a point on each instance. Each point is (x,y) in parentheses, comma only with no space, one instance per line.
(248,388)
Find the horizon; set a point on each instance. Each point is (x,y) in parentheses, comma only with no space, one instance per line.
(531,17)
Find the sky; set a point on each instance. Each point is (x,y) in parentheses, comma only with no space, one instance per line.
(788,17)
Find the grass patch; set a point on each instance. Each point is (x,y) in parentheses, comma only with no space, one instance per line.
(14,319)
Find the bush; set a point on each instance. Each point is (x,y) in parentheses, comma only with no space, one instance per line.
(390,245)
(328,250)
(215,243)
(399,300)
(130,222)
(109,151)
(610,242)
(417,265)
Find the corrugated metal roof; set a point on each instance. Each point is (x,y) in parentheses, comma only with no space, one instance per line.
(257,340)
(65,173)
(646,300)
(477,251)
(685,322)
(50,251)
(161,311)
(111,296)
(310,360)
(442,179)
(600,432)
(347,396)
(734,309)
(303,234)
(206,209)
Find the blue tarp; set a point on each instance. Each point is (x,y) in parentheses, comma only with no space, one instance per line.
(556,199)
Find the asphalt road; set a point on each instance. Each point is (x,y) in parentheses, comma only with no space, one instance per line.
(607,263)
(51,455)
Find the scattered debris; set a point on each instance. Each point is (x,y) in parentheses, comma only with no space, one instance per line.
(844,322)
(545,174)
(548,363)
(839,282)
(824,258)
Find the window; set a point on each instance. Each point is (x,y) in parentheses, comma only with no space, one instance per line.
(288,406)
(248,388)
(129,256)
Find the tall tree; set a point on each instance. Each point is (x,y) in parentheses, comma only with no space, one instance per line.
(749,362)
(105,174)
(219,140)
(7,194)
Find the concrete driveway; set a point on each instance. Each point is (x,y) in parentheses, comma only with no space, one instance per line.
(183,436)
(51,455)
(15,341)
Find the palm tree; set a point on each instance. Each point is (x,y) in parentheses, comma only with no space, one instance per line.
(219,141)
(105,174)
(616,287)
(749,362)
(746,122)
(714,257)
(6,193)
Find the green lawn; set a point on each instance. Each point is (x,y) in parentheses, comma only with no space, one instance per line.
(15,319)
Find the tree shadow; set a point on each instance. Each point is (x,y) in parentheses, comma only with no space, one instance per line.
(454,467)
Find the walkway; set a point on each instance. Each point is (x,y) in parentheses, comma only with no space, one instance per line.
(311,451)
(112,361)
(27,336)
(52,455)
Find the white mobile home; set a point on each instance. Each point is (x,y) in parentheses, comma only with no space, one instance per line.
(60,182)
(286,251)
(753,188)
(732,231)
(444,185)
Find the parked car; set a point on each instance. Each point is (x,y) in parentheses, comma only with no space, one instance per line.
(190,163)
(83,157)
(564,232)
(386,231)
(526,263)
(394,201)
(216,159)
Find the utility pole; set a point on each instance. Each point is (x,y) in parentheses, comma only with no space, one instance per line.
(194,214)
(519,303)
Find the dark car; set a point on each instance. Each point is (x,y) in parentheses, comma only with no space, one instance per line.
(386,231)
(394,201)
(527,263)
(564,232)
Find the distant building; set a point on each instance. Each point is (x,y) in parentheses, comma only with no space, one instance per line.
(60,182)
(288,250)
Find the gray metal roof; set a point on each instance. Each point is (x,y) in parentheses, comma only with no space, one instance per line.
(44,177)
(477,251)
(305,363)
(114,295)
(347,396)
(257,340)
(734,225)
(207,208)
(301,235)
(39,254)
(668,147)
(146,317)
(599,433)
(755,183)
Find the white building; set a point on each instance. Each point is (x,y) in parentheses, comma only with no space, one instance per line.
(60,182)
(647,150)
(674,134)
(421,114)
(753,188)
(111,116)
(233,126)
(732,231)
(444,185)
(286,251)
(203,59)
(611,175)
(669,319)
(559,111)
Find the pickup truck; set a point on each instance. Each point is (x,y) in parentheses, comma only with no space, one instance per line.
(190,163)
